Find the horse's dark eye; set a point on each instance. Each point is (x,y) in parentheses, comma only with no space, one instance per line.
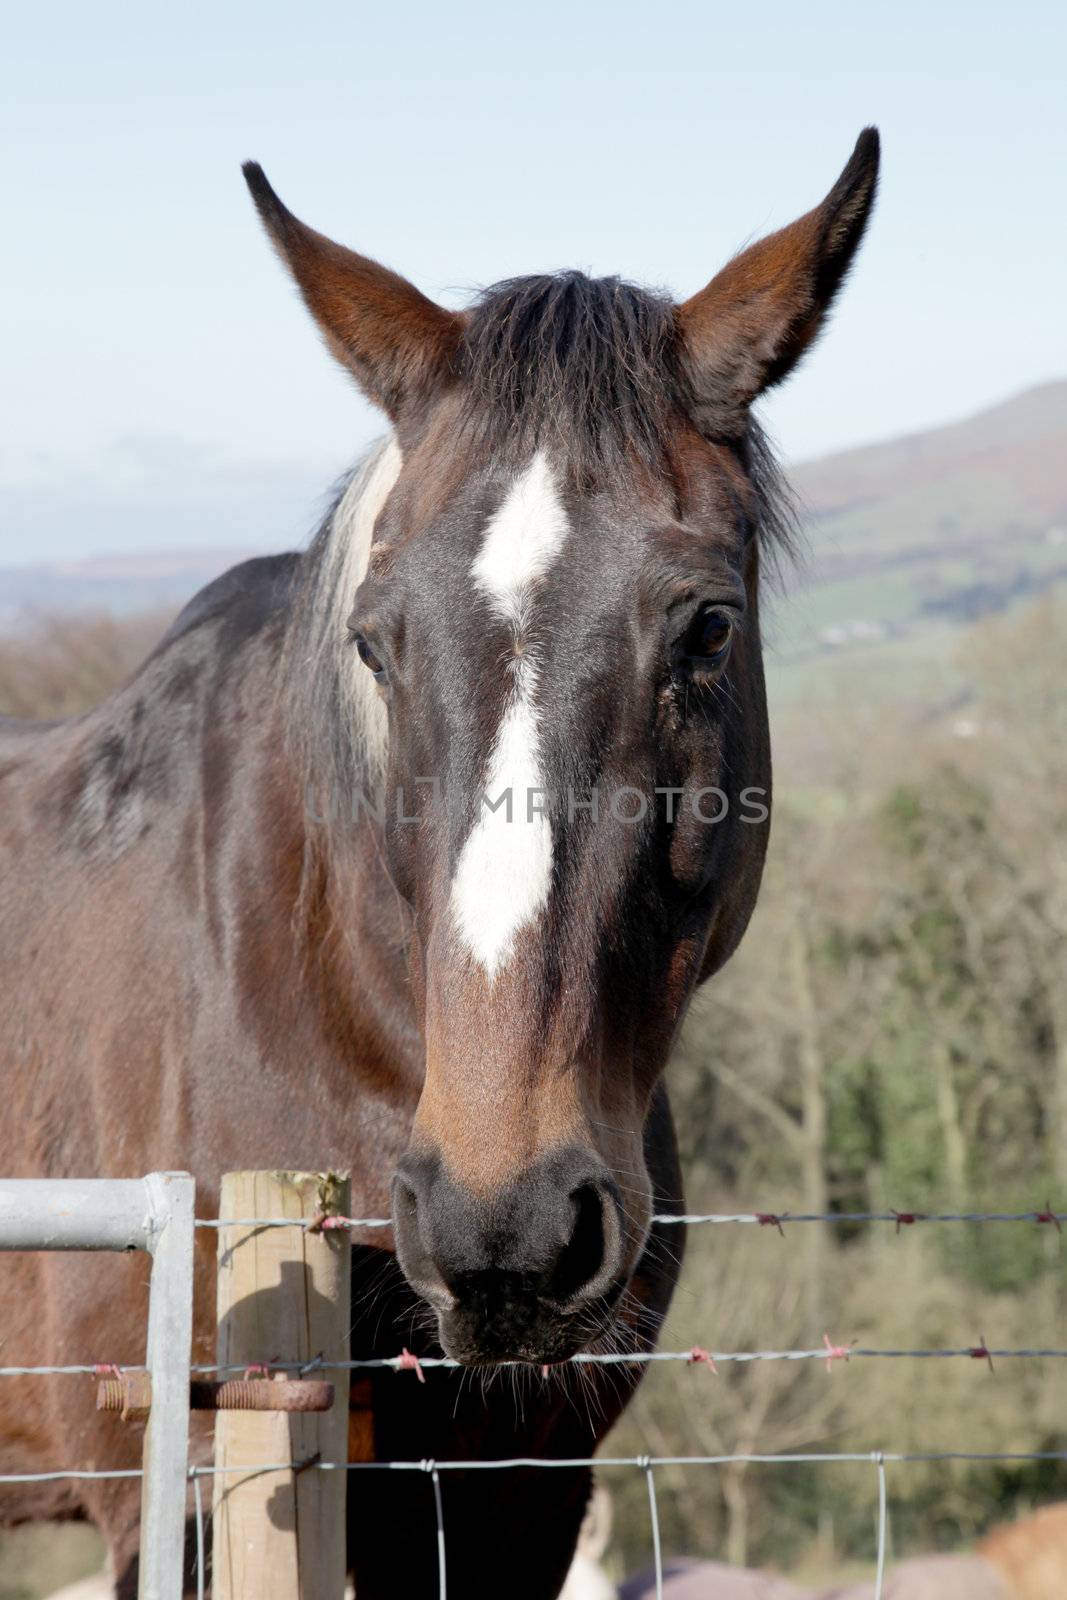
(367,656)
(707,640)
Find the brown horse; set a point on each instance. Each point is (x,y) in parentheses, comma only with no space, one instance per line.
(405,855)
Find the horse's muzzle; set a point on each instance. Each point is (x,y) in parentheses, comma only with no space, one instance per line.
(531,1272)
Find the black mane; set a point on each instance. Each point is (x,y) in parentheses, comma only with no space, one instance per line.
(591,360)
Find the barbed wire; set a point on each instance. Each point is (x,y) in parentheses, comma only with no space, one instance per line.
(697,1355)
(777,1220)
(766,1219)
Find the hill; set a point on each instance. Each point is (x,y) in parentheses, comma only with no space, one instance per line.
(909,538)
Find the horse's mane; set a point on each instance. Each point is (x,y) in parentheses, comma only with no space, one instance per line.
(336,720)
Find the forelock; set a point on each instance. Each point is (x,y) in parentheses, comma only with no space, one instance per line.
(588,363)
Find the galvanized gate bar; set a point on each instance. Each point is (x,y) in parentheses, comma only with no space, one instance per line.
(153,1214)
(169,1349)
(76,1214)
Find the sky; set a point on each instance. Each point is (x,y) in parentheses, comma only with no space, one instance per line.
(164,386)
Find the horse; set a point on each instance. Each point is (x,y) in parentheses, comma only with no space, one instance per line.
(405,855)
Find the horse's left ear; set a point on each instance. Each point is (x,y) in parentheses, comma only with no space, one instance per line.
(750,326)
(399,344)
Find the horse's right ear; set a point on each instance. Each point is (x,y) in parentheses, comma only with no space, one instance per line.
(398,343)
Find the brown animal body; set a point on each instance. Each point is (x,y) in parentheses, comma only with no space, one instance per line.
(546,581)
(1030,1555)
(1024,1560)
(925,1578)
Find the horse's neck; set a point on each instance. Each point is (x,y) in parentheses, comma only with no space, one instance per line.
(351,929)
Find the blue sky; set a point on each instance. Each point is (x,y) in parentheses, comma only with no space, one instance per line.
(156,357)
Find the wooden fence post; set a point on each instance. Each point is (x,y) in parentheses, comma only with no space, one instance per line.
(283,1295)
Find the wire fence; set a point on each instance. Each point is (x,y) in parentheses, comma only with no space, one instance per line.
(697,1355)
(829,1353)
(644,1464)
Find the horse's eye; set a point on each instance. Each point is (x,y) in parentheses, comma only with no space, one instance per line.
(707,640)
(367,656)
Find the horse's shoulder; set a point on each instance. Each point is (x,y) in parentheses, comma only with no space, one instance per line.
(225,614)
(241,601)
(112,770)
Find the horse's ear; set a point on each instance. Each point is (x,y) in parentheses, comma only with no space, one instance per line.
(752,323)
(398,343)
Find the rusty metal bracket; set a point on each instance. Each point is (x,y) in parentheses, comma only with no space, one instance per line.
(130,1394)
(262,1394)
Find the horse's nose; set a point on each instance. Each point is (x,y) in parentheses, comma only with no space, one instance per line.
(510,1273)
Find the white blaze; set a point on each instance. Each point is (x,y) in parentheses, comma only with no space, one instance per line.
(504,872)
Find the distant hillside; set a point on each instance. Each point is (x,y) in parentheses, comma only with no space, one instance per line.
(121,584)
(1003,442)
(939,525)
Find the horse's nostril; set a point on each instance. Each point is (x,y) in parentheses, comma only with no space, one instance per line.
(415,1258)
(406,1216)
(592,1241)
(405,1200)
